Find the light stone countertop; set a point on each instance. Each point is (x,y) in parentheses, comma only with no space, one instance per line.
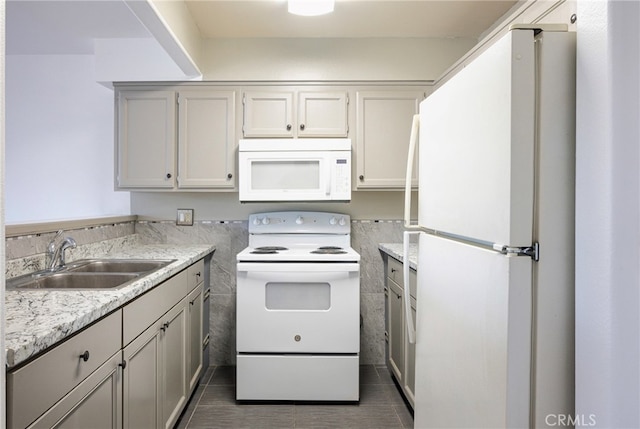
(396,250)
(38,319)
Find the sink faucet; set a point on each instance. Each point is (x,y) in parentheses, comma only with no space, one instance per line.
(55,254)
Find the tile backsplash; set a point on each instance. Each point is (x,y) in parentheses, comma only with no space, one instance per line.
(27,253)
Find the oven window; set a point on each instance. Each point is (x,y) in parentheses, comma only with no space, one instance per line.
(297,296)
(278,175)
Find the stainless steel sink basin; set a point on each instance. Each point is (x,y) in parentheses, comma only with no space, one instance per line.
(68,280)
(117,265)
(89,274)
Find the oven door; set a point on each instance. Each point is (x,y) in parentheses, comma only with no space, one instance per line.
(298,307)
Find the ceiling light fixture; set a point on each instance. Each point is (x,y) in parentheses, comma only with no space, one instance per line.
(310,7)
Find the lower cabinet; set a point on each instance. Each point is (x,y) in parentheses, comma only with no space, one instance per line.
(135,368)
(155,376)
(64,386)
(401,354)
(95,403)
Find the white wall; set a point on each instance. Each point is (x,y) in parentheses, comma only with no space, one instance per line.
(608,214)
(330,59)
(59,140)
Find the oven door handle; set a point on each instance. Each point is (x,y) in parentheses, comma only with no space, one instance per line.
(297,267)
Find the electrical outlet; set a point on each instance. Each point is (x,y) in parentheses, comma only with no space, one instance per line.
(185,217)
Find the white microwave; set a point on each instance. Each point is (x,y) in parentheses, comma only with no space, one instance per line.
(294,170)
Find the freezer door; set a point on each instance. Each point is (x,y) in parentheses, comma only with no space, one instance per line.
(473,337)
(476,147)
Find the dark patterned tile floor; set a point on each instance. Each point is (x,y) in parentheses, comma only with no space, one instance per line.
(213,405)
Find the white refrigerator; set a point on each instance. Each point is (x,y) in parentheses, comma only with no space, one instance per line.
(495,320)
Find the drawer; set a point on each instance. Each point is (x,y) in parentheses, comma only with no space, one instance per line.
(297,377)
(41,383)
(196,274)
(146,309)
(395,273)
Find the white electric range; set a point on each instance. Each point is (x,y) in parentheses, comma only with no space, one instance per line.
(298,309)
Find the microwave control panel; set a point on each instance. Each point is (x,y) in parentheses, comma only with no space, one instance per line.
(342,177)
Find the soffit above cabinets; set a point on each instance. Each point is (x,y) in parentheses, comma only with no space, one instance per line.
(59,27)
(351,18)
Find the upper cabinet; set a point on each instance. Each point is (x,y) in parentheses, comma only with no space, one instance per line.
(295,113)
(175,139)
(184,136)
(146,133)
(383,128)
(206,139)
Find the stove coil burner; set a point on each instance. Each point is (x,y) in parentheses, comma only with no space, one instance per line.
(329,250)
(268,250)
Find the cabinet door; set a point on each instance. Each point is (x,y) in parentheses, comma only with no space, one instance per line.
(410,368)
(174,363)
(195,336)
(94,403)
(206,139)
(146,131)
(322,114)
(268,114)
(382,138)
(396,330)
(142,380)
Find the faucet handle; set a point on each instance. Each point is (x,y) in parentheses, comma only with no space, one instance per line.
(51,247)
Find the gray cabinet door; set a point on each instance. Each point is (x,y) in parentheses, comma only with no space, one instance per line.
(195,336)
(142,380)
(206,139)
(268,114)
(174,363)
(383,128)
(146,136)
(396,331)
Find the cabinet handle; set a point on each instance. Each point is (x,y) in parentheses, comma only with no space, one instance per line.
(361,177)
(123,364)
(85,356)
(229,176)
(192,302)
(393,270)
(198,274)
(164,327)
(168,175)
(288,127)
(302,127)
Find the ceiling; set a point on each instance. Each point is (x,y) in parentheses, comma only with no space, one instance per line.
(70,26)
(351,18)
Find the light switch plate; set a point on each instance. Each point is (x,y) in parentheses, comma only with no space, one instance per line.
(185,217)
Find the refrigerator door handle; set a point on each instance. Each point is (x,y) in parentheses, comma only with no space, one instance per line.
(411,331)
(415,126)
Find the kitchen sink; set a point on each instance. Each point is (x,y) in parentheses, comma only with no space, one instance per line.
(116,265)
(68,280)
(89,274)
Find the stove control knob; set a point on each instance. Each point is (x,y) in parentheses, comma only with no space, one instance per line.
(333,221)
(342,221)
(265,221)
(256,221)
(299,220)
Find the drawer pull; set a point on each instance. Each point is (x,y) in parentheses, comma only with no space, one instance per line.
(85,356)
(123,364)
